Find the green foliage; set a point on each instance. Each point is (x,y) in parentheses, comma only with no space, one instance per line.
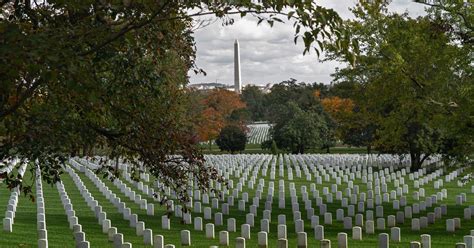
(298,130)
(343,89)
(80,75)
(298,117)
(266,145)
(301,94)
(455,19)
(270,145)
(255,101)
(274,148)
(406,68)
(356,128)
(242,115)
(327,133)
(231,138)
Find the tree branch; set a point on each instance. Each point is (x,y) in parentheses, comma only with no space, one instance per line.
(468,24)
(26,94)
(106,133)
(420,85)
(125,30)
(4,2)
(154,15)
(425,157)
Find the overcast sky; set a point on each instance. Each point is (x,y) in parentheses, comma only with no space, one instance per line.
(269,55)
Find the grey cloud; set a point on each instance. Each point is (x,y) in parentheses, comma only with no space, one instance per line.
(269,55)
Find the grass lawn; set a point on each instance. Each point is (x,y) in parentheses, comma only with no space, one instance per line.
(256,149)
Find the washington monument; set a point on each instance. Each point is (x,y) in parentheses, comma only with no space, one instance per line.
(237,79)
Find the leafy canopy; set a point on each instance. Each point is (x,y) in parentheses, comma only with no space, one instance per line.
(83,76)
(405,66)
(232,139)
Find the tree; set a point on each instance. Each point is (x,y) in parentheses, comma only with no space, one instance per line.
(223,101)
(356,127)
(270,145)
(301,94)
(337,106)
(289,105)
(231,138)
(339,112)
(254,99)
(73,89)
(343,89)
(274,148)
(298,130)
(239,117)
(455,17)
(328,133)
(210,125)
(220,108)
(404,65)
(456,20)
(77,75)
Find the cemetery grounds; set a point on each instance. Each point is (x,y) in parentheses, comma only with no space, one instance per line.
(82,192)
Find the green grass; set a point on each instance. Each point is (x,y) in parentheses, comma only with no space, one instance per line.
(256,149)
(59,234)
(57,225)
(24,228)
(249,149)
(343,150)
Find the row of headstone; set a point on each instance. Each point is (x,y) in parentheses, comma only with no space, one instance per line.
(117,238)
(9,218)
(131,194)
(41,214)
(258,133)
(401,204)
(240,203)
(79,235)
(256,168)
(328,216)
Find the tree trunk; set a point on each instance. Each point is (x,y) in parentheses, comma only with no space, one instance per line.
(300,149)
(327,149)
(116,164)
(84,150)
(369,149)
(415,161)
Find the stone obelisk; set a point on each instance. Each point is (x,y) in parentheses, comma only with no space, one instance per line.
(237,79)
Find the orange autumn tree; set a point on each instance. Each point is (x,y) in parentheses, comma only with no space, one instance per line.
(218,105)
(340,110)
(337,106)
(317,94)
(211,122)
(223,101)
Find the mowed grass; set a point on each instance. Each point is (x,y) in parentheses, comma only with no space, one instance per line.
(24,228)
(257,149)
(59,235)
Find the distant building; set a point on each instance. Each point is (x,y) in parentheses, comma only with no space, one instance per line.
(264,88)
(211,86)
